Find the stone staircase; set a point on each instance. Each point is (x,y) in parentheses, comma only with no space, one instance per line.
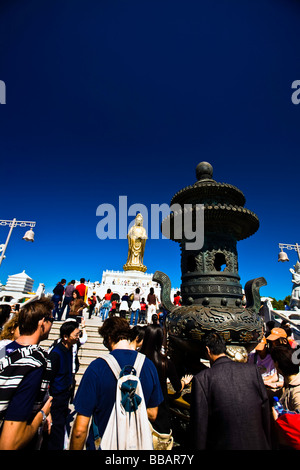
(92,349)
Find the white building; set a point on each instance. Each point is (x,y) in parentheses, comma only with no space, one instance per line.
(125,282)
(19,283)
(18,289)
(122,282)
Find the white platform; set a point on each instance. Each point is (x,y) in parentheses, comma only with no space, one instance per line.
(125,282)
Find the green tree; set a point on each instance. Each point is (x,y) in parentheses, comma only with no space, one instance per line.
(279,304)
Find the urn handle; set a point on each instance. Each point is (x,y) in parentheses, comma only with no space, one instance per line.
(252,292)
(165,284)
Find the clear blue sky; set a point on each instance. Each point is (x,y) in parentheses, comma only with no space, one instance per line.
(125,98)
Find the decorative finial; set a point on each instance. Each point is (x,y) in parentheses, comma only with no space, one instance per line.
(204,171)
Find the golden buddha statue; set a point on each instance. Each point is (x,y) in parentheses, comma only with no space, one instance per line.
(137,237)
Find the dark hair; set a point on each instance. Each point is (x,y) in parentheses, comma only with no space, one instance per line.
(283,357)
(138,333)
(151,347)
(108,291)
(63,281)
(151,291)
(215,343)
(154,319)
(114,329)
(68,327)
(278,342)
(32,313)
(137,290)
(82,280)
(4,313)
(270,325)
(75,291)
(286,328)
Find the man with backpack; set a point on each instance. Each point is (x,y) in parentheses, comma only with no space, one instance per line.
(96,395)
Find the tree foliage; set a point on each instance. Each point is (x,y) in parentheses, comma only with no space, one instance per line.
(280,304)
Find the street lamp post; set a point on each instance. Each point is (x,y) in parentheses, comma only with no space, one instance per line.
(283,256)
(29,235)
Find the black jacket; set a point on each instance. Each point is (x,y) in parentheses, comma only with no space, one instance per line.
(230,408)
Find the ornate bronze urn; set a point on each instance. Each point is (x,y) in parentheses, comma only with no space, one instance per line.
(211,291)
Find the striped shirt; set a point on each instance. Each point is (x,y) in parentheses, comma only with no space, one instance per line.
(15,366)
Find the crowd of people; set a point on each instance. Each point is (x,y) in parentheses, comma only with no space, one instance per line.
(139,309)
(75,299)
(231,403)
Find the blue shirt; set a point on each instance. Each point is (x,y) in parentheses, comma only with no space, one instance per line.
(61,363)
(97,390)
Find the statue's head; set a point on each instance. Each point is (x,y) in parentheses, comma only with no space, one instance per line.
(139,219)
